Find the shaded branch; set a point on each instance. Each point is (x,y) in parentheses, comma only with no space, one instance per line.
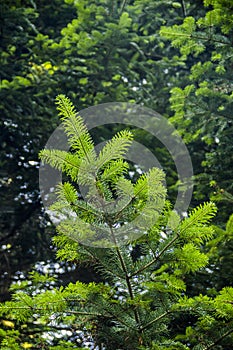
(127,278)
(155,259)
(218,340)
(183,8)
(155,320)
(123,6)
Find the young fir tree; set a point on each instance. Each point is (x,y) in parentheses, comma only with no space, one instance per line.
(143,298)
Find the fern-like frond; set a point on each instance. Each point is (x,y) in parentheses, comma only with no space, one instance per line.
(141,186)
(115,148)
(113,170)
(64,106)
(183,36)
(146,197)
(67,193)
(166,283)
(198,235)
(189,258)
(62,160)
(58,159)
(199,216)
(96,233)
(79,138)
(223,303)
(150,184)
(125,187)
(55,158)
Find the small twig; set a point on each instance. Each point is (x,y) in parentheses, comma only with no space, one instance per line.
(193,36)
(183,8)
(61,312)
(155,320)
(218,340)
(123,6)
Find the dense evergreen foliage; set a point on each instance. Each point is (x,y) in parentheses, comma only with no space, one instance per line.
(174,57)
(142,296)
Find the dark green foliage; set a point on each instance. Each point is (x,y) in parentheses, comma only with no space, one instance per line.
(203,106)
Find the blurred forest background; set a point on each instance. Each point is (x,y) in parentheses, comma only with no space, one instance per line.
(173,57)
